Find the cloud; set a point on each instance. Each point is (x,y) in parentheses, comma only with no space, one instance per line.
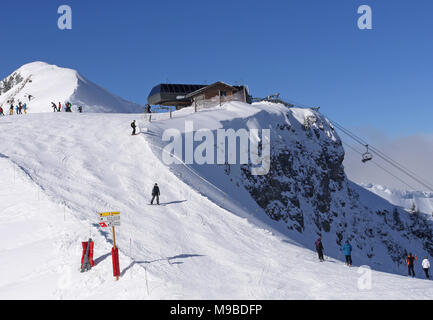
(413,152)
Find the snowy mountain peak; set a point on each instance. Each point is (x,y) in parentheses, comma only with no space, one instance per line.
(40,84)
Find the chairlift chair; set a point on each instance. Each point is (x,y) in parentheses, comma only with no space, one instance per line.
(367,156)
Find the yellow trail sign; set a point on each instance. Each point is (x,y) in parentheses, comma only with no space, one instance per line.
(109,219)
(109,214)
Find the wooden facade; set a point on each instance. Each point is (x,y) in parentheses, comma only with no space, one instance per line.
(220,92)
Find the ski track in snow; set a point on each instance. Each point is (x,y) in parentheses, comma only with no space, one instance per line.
(59,170)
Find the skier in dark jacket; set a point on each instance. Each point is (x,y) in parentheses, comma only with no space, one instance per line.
(148,108)
(1,112)
(134,128)
(155,194)
(411,263)
(319,248)
(347,250)
(54,106)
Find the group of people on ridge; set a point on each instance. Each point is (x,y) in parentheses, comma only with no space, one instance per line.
(347,251)
(410,260)
(19,109)
(67,107)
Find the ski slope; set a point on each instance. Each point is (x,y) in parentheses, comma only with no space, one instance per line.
(59,170)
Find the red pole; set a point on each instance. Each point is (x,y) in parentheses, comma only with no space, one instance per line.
(115,256)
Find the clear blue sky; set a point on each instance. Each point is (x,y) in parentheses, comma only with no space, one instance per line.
(310,51)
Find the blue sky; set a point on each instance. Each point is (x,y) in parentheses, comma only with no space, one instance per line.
(310,51)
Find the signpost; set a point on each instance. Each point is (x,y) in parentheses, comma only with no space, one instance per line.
(107,220)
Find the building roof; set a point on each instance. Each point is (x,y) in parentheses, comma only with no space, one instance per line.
(216,84)
(171,94)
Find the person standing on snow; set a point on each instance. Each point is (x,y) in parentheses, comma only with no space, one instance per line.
(1,112)
(155,194)
(148,108)
(11,110)
(60,107)
(134,128)
(347,250)
(25,108)
(319,248)
(411,263)
(53,105)
(426,267)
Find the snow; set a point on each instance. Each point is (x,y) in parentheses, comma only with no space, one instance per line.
(209,239)
(190,248)
(50,83)
(403,198)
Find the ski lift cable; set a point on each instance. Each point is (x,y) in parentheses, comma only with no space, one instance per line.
(381,155)
(378,152)
(400,168)
(381,167)
(386,158)
(375,150)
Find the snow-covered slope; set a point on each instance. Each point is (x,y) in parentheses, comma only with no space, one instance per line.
(49,83)
(306,193)
(423,201)
(208,240)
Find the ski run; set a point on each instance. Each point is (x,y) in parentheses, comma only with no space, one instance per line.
(208,239)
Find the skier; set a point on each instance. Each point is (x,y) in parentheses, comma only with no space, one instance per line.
(347,250)
(53,105)
(319,248)
(426,267)
(11,110)
(1,112)
(25,108)
(134,127)
(17,109)
(411,263)
(20,108)
(155,194)
(60,107)
(148,108)
(80,109)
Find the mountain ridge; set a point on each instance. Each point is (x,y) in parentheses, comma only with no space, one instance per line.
(47,84)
